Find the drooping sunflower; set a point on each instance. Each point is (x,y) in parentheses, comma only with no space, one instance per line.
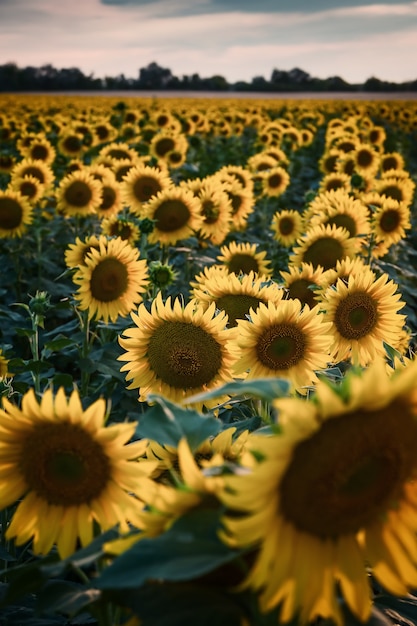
(287,226)
(78,194)
(121,227)
(303,282)
(243,257)
(141,184)
(111,279)
(16,213)
(323,245)
(70,470)
(236,295)
(334,494)
(390,221)
(282,340)
(364,314)
(216,209)
(76,252)
(177,351)
(176,213)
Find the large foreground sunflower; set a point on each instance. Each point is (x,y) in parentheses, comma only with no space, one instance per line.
(334,493)
(282,340)
(364,314)
(176,351)
(68,469)
(111,279)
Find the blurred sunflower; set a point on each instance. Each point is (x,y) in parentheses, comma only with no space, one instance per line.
(71,144)
(40,149)
(323,245)
(177,351)
(119,151)
(78,194)
(287,226)
(141,184)
(111,198)
(243,257)
(237,172)
(333,181)
(29,187)
(70,470)
(366,159)
(216,209)
(338,208)
(165,141)
(111,279)
(395,186)
(16,213)
(334,494)
(29,167)
(364,314)
(284,340)
(121,227)
(391,161)
(275,181)
(4,370)
(176,213)
(236,295)
(242,202)
(303,282)
(390,221)
(76,253)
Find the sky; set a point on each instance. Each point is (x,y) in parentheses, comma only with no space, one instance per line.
(240,40)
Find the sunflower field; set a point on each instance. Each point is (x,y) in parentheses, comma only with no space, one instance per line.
(208,383)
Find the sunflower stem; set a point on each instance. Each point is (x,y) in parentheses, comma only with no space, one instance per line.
(85,349)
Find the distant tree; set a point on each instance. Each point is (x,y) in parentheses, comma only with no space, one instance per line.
(153,76)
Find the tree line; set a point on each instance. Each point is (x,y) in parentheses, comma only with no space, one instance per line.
(155,77)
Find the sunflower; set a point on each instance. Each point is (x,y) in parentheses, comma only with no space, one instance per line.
(334,181)
(141,184)
(242,201)
(121,227)
(7,163)
(176,213)
(216,209)
(390,221)
(395,186)
(70,470)
(121,168)
(77,252)
(275,181)
(329,160)
(282,339)
(177,351)
(391,161)
(71,144)
(111,198)
(236,295)
(364,314)
(335,492)
(287,226)
(119,151)
(29,187)
(4,370)
(303,282)
(165,141)
(111,279)
(78,194)
(323,245)
(40,149)
(36,168)
(236,172)
(103,132)
(243,257)
(16,213)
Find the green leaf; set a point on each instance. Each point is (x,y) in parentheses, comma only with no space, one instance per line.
(167,423)
(190,548)
(263,388)
(59,343)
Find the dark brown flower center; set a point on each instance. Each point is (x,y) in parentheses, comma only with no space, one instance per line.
(109,280)
(281,346)
(356,315)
